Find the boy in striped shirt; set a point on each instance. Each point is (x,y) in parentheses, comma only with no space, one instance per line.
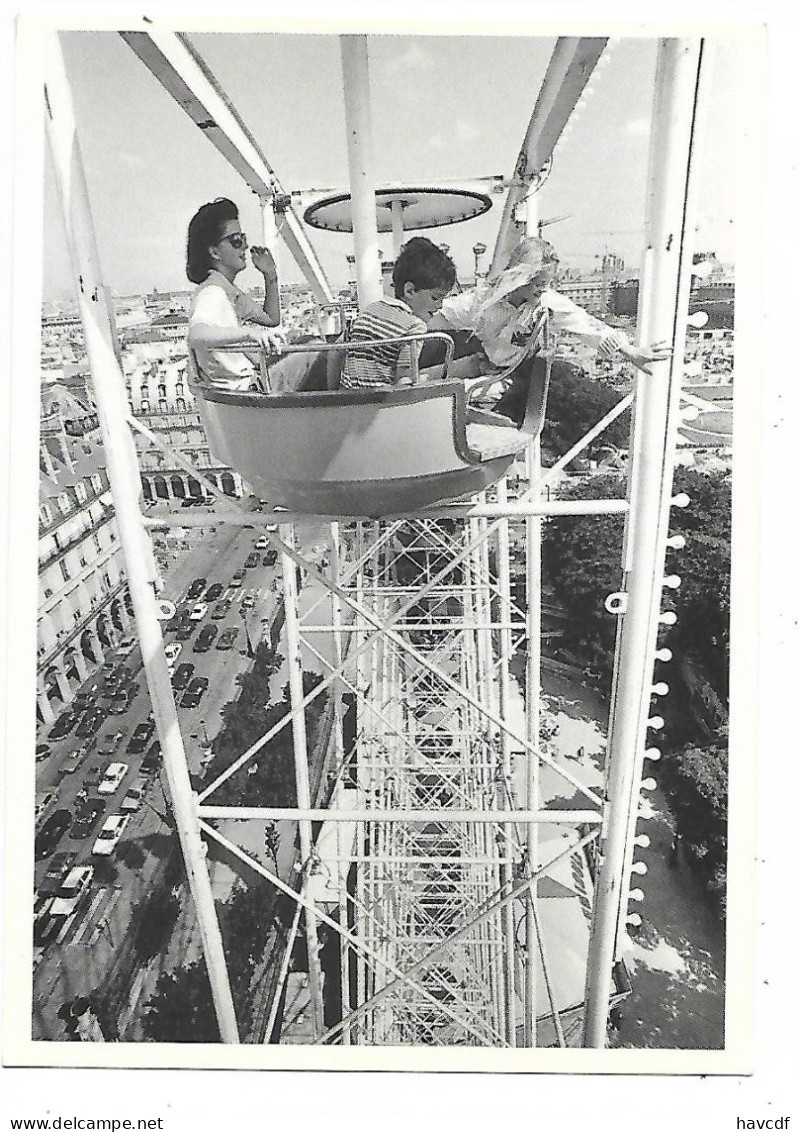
(423,277)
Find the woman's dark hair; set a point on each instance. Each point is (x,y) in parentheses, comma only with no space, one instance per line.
(205,230)
(424,264)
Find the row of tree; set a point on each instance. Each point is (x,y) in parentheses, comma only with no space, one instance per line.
(582,561)
(181,1008)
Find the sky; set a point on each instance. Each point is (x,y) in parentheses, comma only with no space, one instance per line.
(443,107)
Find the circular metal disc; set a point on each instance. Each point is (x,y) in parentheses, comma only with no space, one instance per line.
(423,206)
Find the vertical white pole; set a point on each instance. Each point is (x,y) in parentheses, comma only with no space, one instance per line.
(509,910)
(397,232)
(301,775)
(112,409)
(358,116)
(663,306)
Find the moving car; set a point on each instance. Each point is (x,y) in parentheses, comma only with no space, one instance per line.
(109,836)
(172,651)
(237,578)
(252,560)
(90,724)
(43,800)
(263,543)
(60,864)
(228,638)
(221,609)
(270,558)
(126,646)
(195,589)
(120,702)
(199,611)
(85,818)
(45,926)
(48,837)
(214,591)
(72,890)
(112,778)
(183,673)
(248,601)
(141,736)
(195,692)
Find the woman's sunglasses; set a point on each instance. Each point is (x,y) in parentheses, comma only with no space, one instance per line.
(237,240)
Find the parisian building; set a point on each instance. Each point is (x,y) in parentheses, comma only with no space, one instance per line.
(84,602)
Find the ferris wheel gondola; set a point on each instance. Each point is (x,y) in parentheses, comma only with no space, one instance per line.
(365,452)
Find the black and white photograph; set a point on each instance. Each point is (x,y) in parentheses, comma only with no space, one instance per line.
(380,701)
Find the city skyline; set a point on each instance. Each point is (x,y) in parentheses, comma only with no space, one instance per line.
(434,134)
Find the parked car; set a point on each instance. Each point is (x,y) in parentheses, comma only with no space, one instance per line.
(270,558)
(152,759)
(262,543)
(221,609)
(64,724)
(43,751)
(199,611)
(133,797)
(60,864)
(237,579)
(195,692)
(51,832)
(183,673)
(228,638)
(248,601)
(126,646)
(205,638)
(196,588)
(112,778)
(172,651)
(85,818)
(110,835)
(213,592)
(252,560)
(72,890)
(91,723)
(184,629)
(141,736)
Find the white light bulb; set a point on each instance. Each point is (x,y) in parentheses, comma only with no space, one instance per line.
(697,320)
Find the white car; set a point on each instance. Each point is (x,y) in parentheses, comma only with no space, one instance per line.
(73,888)
(263,543)
(126,646)
(199,611)
(172,651)
(132,799)
(109,836)
(112,778)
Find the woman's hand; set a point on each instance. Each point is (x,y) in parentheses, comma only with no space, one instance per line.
(272,341)
(262,261)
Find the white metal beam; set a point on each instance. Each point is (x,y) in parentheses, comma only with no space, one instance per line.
(181,71)
(567,75)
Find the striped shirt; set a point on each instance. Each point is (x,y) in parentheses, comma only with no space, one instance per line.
(384,363)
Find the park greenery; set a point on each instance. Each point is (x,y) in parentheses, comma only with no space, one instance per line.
(582,563)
